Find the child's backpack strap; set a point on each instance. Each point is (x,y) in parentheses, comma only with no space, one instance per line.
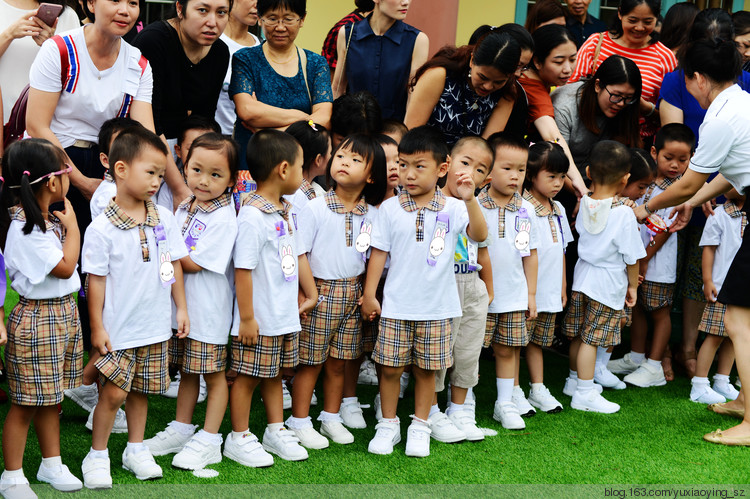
(127,100)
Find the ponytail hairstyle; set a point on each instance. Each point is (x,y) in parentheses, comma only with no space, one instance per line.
(717,59)
(372,152)
(545,156)
(543,11)
(642,165)
(27,165)
(313,138)
(707,25)
(626,7)
(217,142)
(615,70)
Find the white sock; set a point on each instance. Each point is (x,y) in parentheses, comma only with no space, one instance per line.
(454,408)
(721,379)
(585,385)
(470,394)
(238,434)
(329,416)
(134,447)
(536,386)
(275,426)
(209,438)
(13,473)
(92,386)
(654,363)
(416,420)
(504,389)
(299,423)
(636,357)
(349,400)
(52,462)
(602,356)
(572,374)
(405,376)
(182,428)
(99,454)
(434,410)
(699,381)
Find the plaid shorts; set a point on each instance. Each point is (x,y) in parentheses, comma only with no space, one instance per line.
(627,314)
(596,323)
(655,295)
(140,369)
(370,328)
(175,350)
(542,329)
(712,321)
(203,358)
(334,327)
(267,357)
(507,328)
(426,344)
(44,354)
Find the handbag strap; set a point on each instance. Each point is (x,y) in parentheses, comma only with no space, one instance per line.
(342,63)
(303,61)
(596,52)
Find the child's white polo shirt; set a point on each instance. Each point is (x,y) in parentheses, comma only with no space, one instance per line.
(724,229)
(662,267)
(102,196)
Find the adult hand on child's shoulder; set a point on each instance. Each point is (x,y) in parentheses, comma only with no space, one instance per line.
(249,332)
(183,323)
(100,340)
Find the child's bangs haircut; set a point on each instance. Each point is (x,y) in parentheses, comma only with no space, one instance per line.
(197,122)
(425,139)
(545,156)
(500,140)
(130,143)
(313,138)
(218,142)
(372,152)
(477,141)
(267,149)
(112,127)
(642,166)
(608,162)
(674,132)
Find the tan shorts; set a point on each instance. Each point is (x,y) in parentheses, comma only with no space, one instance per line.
(655,295)
(203,358)
(507,329)
(542,329)
(266,358)
(596,324)
(139,369)
(426,344)
(712,321)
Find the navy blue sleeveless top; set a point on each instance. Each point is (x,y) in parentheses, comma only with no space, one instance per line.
(381,64)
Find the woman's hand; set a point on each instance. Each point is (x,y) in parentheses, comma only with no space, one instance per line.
(46,31)
(26,25)
(684,213)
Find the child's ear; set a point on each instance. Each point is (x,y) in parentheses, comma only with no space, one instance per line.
(443,168)
(283,169)
(177,151)
(625,179)
(104,160)
(588,175)
(654,152)
(120,169)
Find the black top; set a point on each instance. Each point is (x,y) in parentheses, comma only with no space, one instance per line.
(181,88)
(582,31)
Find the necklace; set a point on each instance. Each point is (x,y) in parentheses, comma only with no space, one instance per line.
(268,55)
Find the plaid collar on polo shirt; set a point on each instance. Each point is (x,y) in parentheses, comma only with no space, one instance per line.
(542,210)
(266,206)
(108,177)
(307,189)
(203,206)
(665,182)
(513,205)
(436,204)
(335,205)
(733,211)
(123,221)
(52,223)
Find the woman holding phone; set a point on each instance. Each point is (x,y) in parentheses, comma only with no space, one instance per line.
(22,31)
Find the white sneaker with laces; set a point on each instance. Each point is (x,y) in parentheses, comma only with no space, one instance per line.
(623,366)
(197,454)
(60,478)
(702,393)
(604,377)
(336,432)
(525,409)
(174,387)
(168,441)
(308,436)
(284,444)
(646,375)
(443,429)
(508,416)
(16,488)
(378,409)
(351,414)
(543,400)
(287,397)
(418,440)
(403,384)
(247,451)
(141,463)
(85,396)
(202,391)
(465,422)
(387,434)
(96,472)
(121,421)
(726,390)
(593,402)
(572,383)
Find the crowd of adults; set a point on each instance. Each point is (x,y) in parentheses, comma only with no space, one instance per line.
(564,77)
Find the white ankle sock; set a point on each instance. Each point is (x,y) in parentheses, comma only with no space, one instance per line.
(470,394)
(434,410)
(699,381)
(182,428)
(8,474)
(238,434)
(349,400)
(637,357)
(504,389)
(536,386)
(721,379)
(275,426)
(602,356)
(299,423)
(654,363)
(572,374)
(585,385)
(99,454)
(134,447)
(52,462)
(454,408)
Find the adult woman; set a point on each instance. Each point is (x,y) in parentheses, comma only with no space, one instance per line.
(673,33)
(364,49)
(275,84)
(631,37)
(244,14)
(741,20)
(21,35)
(545,12)
(711,68)
(460,89)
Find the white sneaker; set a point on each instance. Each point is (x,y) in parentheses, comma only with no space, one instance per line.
(646,375)
(284,444)
(247,451)
(604,377)
(470,405)
(387,434)
(314,399)
(174,387)
(336,432)
(403,384)
(85,396)
(519,398)
(287,397)
(623,366)
(121,421)
(351,414)
(96,474)
(60,478)
(543,400)
(465,422)
(141,464)
(572,383)
(508,416)
(378,409)
(418,440)
(168,441)
(16,488)
(308,436)
(726,390)
(197,454)
(702,393)
(367,373)
(593,402)
(202,390)
(443,429)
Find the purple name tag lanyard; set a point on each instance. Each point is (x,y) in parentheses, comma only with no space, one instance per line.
(286,252)
(437,245)
(194,232)
(166,269)
(562,234)
(3,278)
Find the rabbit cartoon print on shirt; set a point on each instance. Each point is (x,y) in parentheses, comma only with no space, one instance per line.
(362,243)
(166,269)
(437,245)
(523,234)
(288,263)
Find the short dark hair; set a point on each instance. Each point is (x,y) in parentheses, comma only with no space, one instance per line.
(299,7)
(717,59)
(543,11)
(474,139)
(608,162)
(313,138)
(196,122)
(506,139)
(217,142)
(674,132)
(364,5)
(370,149)
(110,128)
(267,149)
(356,113)
(741,21)
(130,143)
(642,165)
(545,156)
(393,127)
(425,139)
(385,140)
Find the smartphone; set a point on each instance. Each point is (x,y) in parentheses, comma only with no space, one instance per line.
(48,12)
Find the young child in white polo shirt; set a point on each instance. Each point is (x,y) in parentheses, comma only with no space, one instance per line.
(131,252)
(208,221)
(270,270)
(418,229)
(513,242)
(335,232)
(316,151)
(609,243)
